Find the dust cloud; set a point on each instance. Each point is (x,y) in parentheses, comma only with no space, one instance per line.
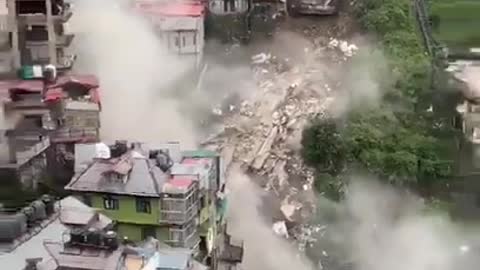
(135,73)
(263,249)
(375,227)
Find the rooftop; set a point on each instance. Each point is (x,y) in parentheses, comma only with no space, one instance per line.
(192,9)
(143,177)
(135,172)
(71,212)
(75,258)
(62,86)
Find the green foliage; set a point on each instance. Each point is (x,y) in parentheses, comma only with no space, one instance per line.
(394,140)
(324,147)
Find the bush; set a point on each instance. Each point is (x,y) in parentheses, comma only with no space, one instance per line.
(397,145)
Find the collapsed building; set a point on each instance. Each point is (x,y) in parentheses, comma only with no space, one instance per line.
(154,191)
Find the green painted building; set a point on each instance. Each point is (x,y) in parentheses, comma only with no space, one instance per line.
(164,193)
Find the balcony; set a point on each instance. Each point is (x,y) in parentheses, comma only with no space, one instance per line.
(178,216)
(61,40)
(30,101)
(65,135)
(30,150)
(186,237)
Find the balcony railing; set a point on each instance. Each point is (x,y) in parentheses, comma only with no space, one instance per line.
(26,103)
(24,156)
(178,216)
(86,134)
(187,238)
(41,19)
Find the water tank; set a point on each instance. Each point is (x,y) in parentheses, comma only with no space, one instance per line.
(119,148)
(12,226)
(164,162)
(29,214)
(110,240)
(94,237)
(40,211)
(77,236)
(49,204)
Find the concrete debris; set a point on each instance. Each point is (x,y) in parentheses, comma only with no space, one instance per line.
(270,122)
(264,150)
(348,50)
(307,235)
(261,58)
(279,228)
(288,210)
(217,111)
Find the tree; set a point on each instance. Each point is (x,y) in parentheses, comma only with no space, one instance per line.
(323,146)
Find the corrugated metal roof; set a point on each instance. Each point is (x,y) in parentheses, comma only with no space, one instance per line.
(144,179)
(174,258)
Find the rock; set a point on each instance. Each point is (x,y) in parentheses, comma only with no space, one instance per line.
(288,211)
(279,228)
(261,58)
(279,172)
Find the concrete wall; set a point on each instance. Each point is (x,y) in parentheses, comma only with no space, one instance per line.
(134,232)
(31,173)
(82,119)
(127,212)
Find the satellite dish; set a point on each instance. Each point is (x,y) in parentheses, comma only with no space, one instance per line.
(102,151)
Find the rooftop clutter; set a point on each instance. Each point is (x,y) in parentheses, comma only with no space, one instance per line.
(135,170)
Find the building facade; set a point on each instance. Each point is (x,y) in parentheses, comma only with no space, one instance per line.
(160,192)
(34,32)
(180,27)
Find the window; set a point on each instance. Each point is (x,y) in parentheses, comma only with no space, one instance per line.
(175,235)
(110,203)
(194,38)
(143,205)
(183,41)
(177,41)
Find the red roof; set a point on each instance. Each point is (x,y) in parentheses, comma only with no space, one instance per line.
(54,94)
(89,81)
(181,182)
(193,9)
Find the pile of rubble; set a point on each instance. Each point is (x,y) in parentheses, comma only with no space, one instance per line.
(264,135)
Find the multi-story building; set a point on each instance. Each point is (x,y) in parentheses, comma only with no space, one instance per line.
(179,25)
(45,107)
(34,33)
(153,191)
(35,117)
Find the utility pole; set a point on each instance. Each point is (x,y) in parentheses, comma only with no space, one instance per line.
(52,38)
